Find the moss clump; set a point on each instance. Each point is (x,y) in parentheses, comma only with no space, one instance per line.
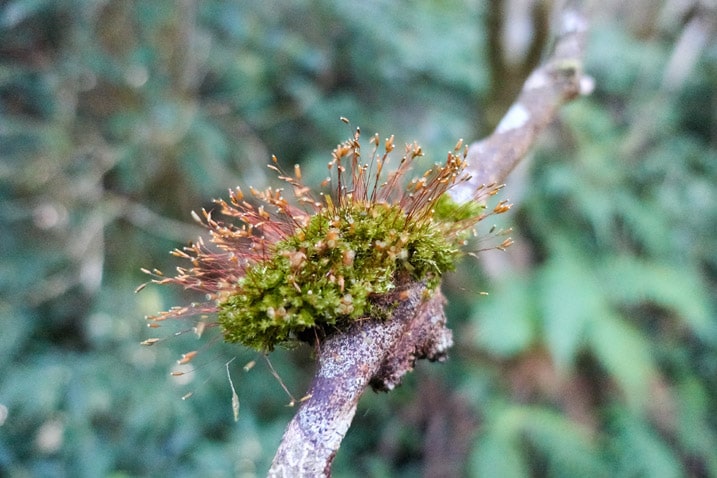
(326,273)
(279,271)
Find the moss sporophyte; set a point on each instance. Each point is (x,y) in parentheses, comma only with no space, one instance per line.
(278,271)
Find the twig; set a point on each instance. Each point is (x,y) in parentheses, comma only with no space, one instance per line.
(379,352)
(372,352)
(556,82)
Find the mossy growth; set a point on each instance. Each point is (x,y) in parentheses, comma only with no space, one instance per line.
(449,211)
(279,271)
(326,273)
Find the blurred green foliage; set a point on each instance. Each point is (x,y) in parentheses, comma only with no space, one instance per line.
(595,353)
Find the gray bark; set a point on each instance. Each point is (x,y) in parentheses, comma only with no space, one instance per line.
(379,352)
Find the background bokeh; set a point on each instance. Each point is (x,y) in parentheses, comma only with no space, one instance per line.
(595,352)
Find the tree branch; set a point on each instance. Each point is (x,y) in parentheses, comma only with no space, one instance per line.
(371,352)
(379,352)
(547,88)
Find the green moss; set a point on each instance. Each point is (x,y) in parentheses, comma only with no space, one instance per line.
(326,274)
(446,209)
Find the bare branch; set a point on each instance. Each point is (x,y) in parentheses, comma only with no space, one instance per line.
(551,85)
